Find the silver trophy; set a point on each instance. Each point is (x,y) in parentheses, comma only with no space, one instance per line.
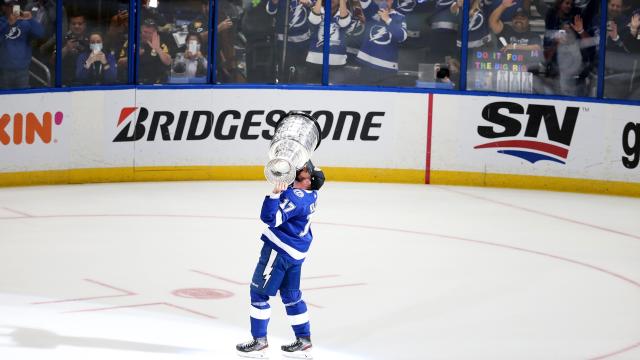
(296,136)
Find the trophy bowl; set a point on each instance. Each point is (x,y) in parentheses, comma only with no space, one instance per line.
(296,137)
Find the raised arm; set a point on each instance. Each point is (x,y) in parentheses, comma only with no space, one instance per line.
(495,22)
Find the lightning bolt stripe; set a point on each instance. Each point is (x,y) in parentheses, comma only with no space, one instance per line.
(278,218)
(269,268)
(260,314)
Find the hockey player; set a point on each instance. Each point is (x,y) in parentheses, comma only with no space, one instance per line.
(287,211)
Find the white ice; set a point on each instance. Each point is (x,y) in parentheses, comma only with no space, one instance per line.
(160,271)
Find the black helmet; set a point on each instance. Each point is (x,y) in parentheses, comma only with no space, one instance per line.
(317,176)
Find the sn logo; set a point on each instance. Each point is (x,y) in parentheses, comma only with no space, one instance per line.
(498,114)
(533,149)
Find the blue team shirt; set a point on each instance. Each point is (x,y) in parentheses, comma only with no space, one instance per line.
(379,48)
(289,218)
(298,31)
(337,46)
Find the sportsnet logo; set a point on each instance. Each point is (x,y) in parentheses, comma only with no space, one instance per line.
(528,145)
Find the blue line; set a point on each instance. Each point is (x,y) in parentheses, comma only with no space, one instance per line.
(212,69)
(464,48)
(603,50)
(326,46)
(131,75)
(59,20)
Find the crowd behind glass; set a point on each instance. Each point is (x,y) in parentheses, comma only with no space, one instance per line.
(518,46)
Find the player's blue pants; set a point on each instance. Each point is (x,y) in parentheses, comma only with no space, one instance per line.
(276,272)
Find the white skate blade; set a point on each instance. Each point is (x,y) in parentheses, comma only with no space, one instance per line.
(254,354)
(298,355)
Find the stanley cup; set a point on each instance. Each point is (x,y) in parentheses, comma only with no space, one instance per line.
(296,136)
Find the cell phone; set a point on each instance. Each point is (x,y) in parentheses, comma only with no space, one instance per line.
(16,10)
(153,3)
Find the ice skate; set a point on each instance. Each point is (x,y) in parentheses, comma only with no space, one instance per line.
(256,348)
(300,349)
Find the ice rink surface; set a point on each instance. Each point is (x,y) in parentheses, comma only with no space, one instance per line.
(161,270)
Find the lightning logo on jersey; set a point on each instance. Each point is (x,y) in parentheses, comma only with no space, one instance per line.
(379,35)
(476,21)
(406,6)
(299,16)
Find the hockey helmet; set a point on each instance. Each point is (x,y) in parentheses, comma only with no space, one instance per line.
(317,175)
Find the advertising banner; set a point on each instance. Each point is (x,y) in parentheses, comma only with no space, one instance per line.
(35,132)
(233,127)
(493,135)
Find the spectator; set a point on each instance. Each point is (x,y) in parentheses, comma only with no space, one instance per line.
(200,25)
(563,49)
(489,6)
(153,57)
(623,47)
(44,12)
(445,23)
(385,29)
(17,29)
(341,19)
(118,29)
(479,31)
(195,61)
(291,57)
(518,35)
(94,66)
(632,36)
(76,41)
(227,64)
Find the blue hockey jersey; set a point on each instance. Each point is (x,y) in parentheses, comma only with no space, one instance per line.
(337,46)
(298,31)
(379,47)
(288,215)
(443,18)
